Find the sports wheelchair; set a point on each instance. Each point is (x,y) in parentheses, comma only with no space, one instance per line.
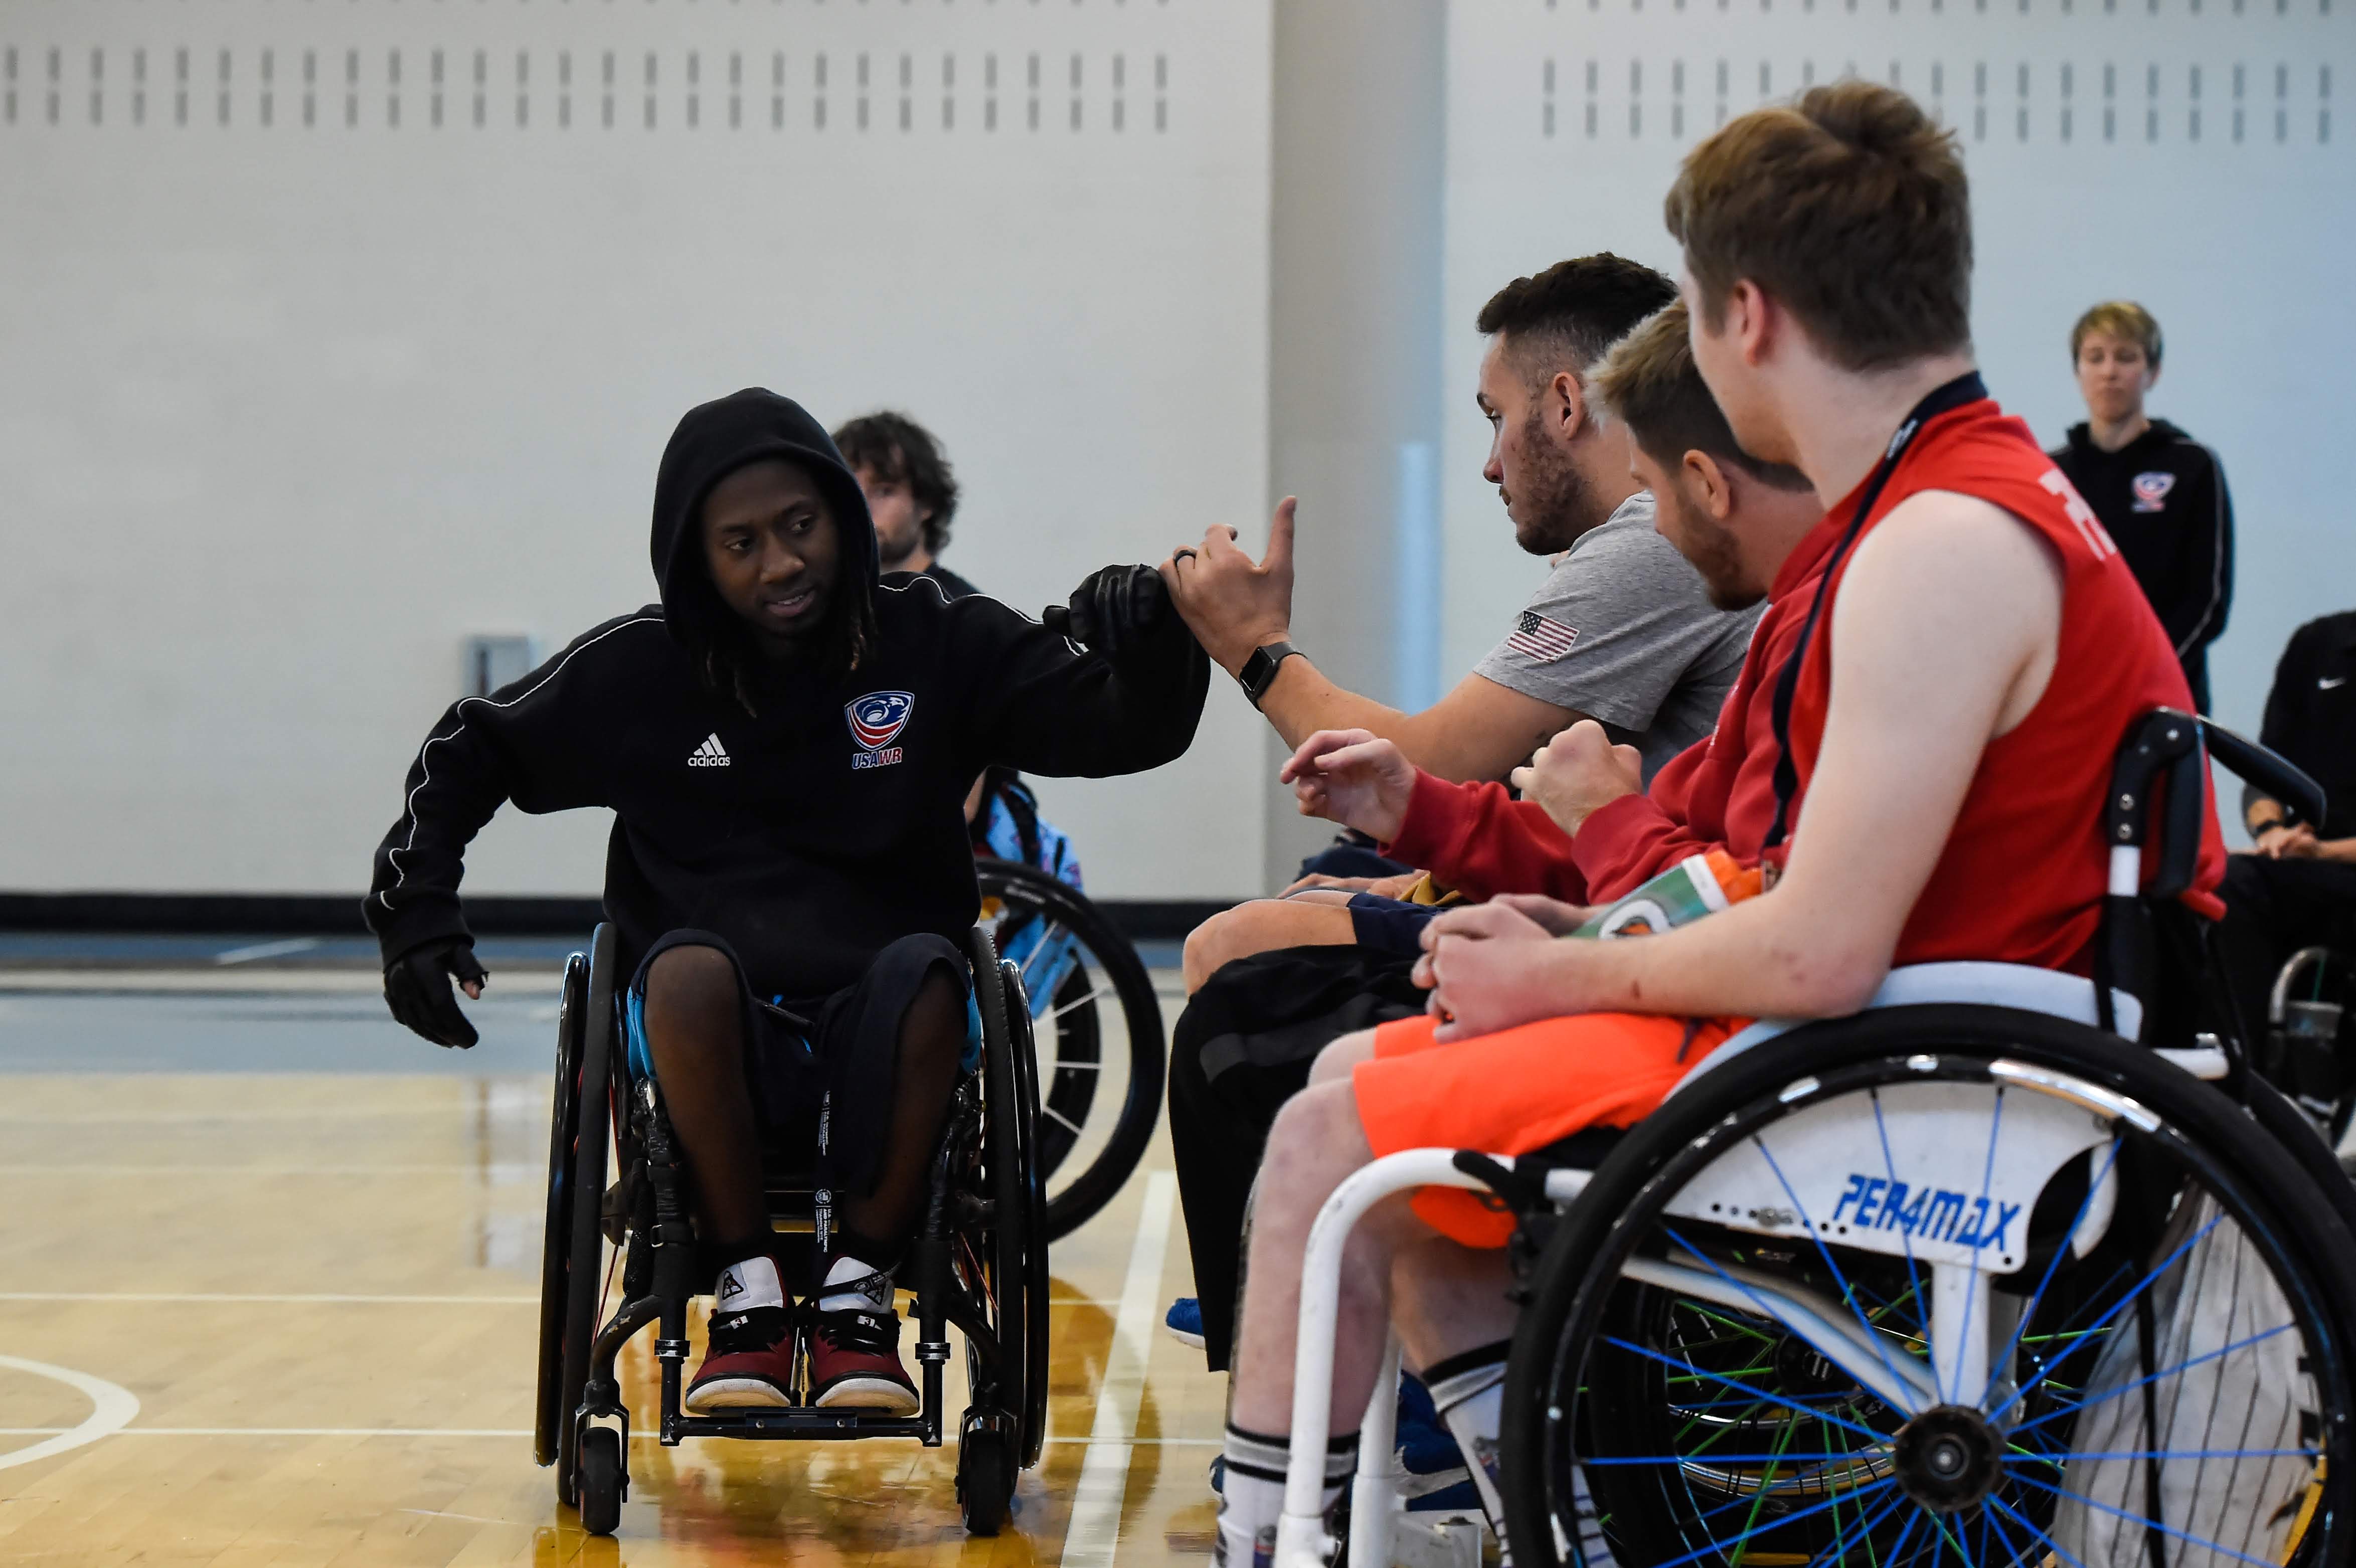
(2010,1266)
(978,1260)
(1102,1052)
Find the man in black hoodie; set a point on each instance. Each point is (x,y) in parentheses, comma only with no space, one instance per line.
(2160,493)
(787,745)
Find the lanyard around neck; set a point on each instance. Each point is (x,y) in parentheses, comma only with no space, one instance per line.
(1966,388)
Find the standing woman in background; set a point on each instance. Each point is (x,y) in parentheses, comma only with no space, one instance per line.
(2160,493)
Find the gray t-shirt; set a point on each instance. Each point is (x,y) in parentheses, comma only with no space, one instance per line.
(1623,631)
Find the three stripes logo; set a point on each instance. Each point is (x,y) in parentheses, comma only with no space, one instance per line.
(711,754)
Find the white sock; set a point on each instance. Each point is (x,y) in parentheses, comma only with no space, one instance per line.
(867,1288)
(1251,1497)
(1469,1391)
(749,1283)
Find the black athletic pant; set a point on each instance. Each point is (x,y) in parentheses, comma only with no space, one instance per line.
(2274,908)
(1243,1047)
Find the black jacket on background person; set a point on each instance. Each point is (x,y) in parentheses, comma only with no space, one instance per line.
(815,830)
(2311,716)
(2162,498)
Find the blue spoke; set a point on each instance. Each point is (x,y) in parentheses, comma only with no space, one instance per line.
(1769,1312)
(2040,1535)
(2167,1453)
(1848,1296)
(2155,1376)
(2118,1306)
(1889,1169)
(1865,1526)
(1987,1179)
(2003,1536)
(2028,1312)
(1760,1394)
(1787,1456)
(2160,1525)
(1777,1523)
(1899,1545)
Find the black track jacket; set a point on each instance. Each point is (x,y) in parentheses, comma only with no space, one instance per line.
(812,834)
(2162,499)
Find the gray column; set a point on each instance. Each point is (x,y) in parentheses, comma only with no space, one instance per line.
(1354,364)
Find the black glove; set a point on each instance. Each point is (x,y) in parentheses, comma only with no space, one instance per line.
(1116,610)
(417,988)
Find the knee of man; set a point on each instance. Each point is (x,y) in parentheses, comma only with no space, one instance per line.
(1206,947)
(691,978)
(1313,1129)
(1334,1063)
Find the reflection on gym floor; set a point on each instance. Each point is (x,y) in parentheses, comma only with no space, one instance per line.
(320,1289)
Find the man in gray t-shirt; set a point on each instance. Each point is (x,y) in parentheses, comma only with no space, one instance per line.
(1623,632)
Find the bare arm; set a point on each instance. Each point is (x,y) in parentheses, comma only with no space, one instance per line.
(1479,730)
(1234,605)
(1943,638)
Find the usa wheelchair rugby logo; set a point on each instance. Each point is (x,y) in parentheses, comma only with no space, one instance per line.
(877,720)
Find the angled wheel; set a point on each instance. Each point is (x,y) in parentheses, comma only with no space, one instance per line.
(1101,1044)
(985,1478)
(1015,1250)
(556,1240)
(603,1481)
(582,1285)
(1940,1280)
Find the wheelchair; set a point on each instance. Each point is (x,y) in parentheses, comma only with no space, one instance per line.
(978,1260)
(1103,1053)
(2014,1266)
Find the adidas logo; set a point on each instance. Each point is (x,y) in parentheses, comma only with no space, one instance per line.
(710,755)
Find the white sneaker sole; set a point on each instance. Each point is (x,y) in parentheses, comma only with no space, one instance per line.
(881,1395)
(735,1394)
(1184,1338)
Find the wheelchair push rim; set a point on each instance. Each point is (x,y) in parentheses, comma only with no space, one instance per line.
(1100,1047)
(2116,1414)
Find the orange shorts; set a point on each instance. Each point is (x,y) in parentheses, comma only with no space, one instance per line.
(1518,1090)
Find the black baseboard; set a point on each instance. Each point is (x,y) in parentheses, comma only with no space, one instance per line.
(333,915)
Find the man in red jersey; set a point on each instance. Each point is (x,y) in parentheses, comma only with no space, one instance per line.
(1988,648)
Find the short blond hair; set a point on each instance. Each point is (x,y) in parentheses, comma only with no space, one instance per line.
(2122,319)
(1648,381)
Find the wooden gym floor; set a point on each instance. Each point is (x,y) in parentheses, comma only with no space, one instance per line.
(288,1316)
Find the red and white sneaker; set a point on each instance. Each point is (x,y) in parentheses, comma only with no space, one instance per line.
(749,1364)
(855,1363)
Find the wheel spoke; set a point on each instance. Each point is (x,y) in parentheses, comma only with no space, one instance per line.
(2146,1520)
(1849,1295)
(2037,1536)
(1987,1179)
(2029,1309)
(2116,1307)
(2180,1367)
(1768,1312)
(1760,1394)
(1098,994)
(1061,1120)
(1776,1523)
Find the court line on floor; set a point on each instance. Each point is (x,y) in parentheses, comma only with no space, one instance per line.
(1094,1534)
(196,1298)
(504,1432)
(111,1408)
(200,1298)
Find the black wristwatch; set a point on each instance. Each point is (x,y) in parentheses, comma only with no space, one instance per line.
(1259,670)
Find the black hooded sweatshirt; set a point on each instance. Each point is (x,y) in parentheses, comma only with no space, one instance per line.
(816,831)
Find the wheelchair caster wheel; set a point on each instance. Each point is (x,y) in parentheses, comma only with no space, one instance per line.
(985,1478)
(602,1480)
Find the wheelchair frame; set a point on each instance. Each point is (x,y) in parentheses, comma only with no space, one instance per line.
(2166,745)
(978,1260)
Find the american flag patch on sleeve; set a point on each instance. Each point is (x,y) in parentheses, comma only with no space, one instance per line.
(1541,639)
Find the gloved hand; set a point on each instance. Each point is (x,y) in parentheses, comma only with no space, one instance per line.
(417,988)
(1116,610)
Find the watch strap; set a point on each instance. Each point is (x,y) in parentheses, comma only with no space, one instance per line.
(1259,670)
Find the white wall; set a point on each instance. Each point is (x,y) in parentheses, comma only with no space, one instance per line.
(298,388)
(2234,226)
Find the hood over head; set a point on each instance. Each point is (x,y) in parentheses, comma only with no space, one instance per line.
(713,441)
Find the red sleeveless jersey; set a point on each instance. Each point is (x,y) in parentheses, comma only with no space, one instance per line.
(2022,877)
